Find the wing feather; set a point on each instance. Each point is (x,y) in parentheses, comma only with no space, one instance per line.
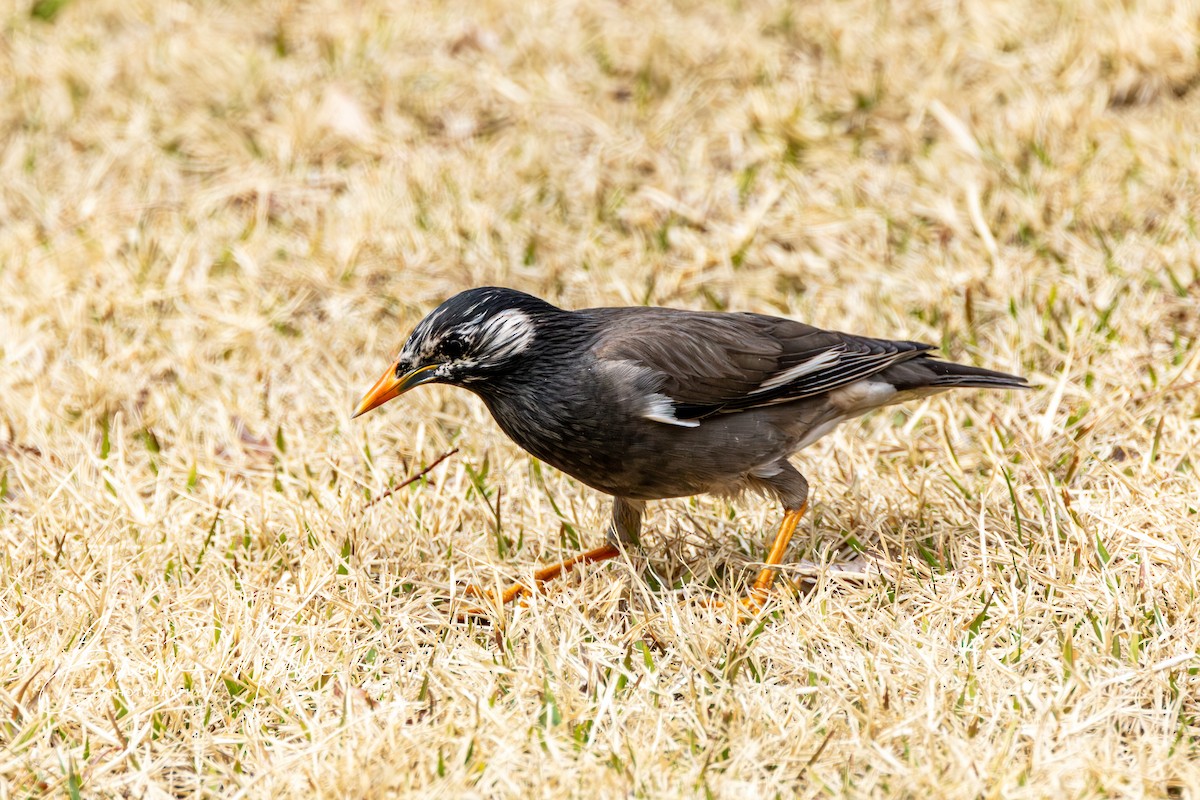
(721,363)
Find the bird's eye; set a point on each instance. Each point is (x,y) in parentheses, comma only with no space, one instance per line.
(453,347)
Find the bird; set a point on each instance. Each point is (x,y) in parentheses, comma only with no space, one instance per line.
(645,403)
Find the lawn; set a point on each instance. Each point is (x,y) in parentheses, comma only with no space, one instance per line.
(218,221)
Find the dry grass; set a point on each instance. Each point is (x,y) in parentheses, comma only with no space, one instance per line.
(217,221)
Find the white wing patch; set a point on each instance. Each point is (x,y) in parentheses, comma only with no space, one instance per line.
(661,408)
(635,385)
(800,370)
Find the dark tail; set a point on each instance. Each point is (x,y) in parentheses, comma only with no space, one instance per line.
(924,371)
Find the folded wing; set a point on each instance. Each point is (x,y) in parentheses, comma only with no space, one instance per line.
(720,363)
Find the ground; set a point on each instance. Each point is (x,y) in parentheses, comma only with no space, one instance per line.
(219,220)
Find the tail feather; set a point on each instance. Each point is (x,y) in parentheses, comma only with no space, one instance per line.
(925,371)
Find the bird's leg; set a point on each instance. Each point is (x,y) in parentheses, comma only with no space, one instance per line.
(786,482)
(626,522)
(761,589)
(766,575)
(547,574)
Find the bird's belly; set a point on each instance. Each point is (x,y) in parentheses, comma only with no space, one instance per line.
(641,459)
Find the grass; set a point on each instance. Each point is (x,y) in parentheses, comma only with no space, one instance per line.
(217,221)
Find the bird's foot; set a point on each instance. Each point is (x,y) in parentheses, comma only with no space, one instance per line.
(500,599)
(747,608)
(495,601)
(753,603)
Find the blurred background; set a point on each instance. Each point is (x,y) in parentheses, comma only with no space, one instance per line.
(214,190)
(219,220)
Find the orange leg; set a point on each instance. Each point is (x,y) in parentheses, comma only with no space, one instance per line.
(547,574)
(761,589)
(766,576)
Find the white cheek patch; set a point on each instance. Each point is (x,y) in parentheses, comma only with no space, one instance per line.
(491,341)
(503,336)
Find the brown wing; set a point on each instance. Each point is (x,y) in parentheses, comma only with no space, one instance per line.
(709,363)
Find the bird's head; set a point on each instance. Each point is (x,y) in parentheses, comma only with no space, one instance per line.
(471,338)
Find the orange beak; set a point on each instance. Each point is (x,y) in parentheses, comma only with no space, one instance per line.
(389,386)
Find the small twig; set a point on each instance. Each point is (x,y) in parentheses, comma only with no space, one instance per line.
(411,479)
(817,753)
(121,737)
